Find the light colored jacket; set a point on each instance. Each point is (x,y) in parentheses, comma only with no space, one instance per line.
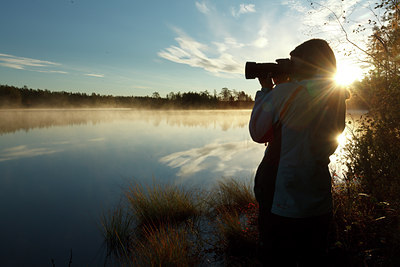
(312,115)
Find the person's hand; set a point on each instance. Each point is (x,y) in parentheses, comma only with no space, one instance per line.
(266,81)
(281,78)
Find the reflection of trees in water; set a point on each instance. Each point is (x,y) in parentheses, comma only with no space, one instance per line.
(15,120)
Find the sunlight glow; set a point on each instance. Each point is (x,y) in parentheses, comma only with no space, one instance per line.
(347,73)
(341,139)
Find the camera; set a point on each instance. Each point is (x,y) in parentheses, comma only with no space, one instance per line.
(282,66)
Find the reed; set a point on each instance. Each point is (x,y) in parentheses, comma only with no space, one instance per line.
(162,204)
(117,229)
(230,195)
(165,245)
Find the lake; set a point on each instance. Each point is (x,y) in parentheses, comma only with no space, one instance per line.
(61,169)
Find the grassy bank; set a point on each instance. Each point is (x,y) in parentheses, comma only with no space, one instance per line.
(175,226)
(171,225)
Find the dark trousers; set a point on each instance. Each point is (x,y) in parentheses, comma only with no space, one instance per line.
(293,241)
(286,241)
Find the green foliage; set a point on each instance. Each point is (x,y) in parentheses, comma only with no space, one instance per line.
(364,229)
(375,160)
(368,202)
(375,148)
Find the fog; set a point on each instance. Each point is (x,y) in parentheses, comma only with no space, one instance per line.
(28,119)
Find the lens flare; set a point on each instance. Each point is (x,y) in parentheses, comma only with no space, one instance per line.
(347,74)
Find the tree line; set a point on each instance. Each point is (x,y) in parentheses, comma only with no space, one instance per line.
(14,97)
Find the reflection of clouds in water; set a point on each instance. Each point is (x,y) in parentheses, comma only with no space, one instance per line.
(61,143)
(18,152)
(227,159)
(23,151)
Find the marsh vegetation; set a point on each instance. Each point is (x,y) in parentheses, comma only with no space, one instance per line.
(173,226)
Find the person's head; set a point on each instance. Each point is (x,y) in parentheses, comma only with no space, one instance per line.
(313,57)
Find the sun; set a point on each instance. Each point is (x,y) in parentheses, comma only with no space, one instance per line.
(347,73)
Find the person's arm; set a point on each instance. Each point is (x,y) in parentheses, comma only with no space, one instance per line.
(261,120)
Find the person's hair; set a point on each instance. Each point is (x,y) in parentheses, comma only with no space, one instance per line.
(316,57)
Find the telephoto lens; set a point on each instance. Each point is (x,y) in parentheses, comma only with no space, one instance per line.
(254,70)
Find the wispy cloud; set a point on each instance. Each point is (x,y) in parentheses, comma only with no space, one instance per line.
(326,18)
(24,63)
(266,35)
(94,75)
(202,7)
(194,53)
(37,65)
(243,9)
(53,71)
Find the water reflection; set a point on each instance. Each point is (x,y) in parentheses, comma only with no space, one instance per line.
(60,169)
(18,152)
(219,157)
(338,164)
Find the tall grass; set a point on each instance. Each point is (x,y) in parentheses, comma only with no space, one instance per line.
(165,245)
(162,204)
(234,209)
(170,225)
(117,229)
(231,195)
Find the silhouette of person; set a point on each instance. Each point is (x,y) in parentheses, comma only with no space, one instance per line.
(300,119)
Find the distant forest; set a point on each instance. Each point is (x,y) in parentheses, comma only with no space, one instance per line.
(14,97)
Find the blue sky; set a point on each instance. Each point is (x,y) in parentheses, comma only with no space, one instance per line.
(124,47)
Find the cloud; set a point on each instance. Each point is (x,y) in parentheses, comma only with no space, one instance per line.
(231,44)
(53,71)
(94,75)
(202,7)
(329,19)
(23,63)
(243,9)
(23,151)
(194,53)
(324,17)
(265,35)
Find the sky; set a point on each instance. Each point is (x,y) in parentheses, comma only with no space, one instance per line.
(132,47)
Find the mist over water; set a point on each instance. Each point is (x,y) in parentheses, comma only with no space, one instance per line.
(60,169)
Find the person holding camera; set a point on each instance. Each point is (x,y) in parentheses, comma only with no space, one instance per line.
(300,118)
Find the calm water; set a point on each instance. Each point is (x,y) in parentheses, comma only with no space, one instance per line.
(60,169)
